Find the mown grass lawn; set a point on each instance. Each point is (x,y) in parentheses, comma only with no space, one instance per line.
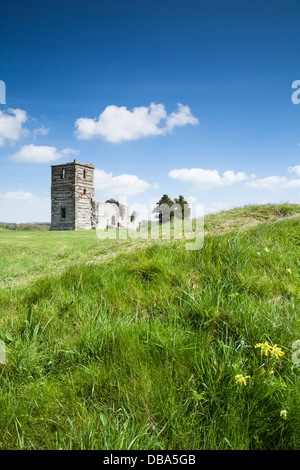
(150,348)
(27,254)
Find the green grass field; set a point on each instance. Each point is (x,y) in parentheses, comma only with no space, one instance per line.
(146,345)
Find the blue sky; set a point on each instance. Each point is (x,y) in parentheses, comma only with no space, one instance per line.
(177,97)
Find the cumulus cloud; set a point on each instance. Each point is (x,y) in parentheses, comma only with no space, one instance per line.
(116,124)
(274,182)
(11,125)
(206,179)
(40,154)
(126,185)
(294,169)
(24,206)
(41,130)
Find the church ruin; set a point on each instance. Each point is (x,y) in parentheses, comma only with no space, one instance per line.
(73,206)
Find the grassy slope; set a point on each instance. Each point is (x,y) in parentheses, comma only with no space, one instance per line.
(140,350)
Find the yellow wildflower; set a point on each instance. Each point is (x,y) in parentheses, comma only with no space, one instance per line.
(241,380)
(276,352)
(283,414)
(267,250)
(267,350)
(289,270)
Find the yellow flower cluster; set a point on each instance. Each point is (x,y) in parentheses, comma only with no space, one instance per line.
(283,414)
(241,380)
(267,350)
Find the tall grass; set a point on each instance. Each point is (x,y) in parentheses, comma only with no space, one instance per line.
(141,351)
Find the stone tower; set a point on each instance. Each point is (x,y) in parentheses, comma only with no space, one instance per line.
(72,194)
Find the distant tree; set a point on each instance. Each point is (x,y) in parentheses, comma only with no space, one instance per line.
(162,209)
(133,216)
(185,208)
(167,209)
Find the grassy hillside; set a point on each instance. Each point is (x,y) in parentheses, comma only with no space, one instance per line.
(145,345)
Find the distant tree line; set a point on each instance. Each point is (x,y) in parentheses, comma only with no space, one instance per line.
(168,209)
(45,226)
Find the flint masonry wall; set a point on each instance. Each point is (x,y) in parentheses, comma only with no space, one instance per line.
(72,191)
(84,193)
(110,215)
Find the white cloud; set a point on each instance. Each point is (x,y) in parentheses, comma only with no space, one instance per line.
(180,118)
(41,130)
(274,183)
(11,125)
(23,206)
(116,124)
(126,185)
(70,151)
(40,154)
(294,169)
(191,199)
(208,178)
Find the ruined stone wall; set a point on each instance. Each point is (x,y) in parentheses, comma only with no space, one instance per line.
(95,213)
(110,216)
